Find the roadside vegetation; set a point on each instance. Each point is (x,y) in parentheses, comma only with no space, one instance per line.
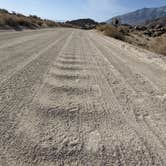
(159,44)
(119,32)
(18,21)
(149,37)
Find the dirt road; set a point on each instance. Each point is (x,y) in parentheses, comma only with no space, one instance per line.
(74,97)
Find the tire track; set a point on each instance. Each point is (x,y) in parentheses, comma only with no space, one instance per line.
(106,129)
(137,128)
(30,59)
(149,107)
(109,130)
(76,102)
(23,85)
(20,40)
(147,65)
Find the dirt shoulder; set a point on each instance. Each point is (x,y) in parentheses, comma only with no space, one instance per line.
(152,39)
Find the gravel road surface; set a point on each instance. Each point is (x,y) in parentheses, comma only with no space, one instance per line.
(78,98)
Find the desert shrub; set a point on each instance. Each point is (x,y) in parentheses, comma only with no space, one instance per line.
(35,17)
(11,20)
(112,31)
(40,23)
(22,21)
(123,29)
(16,20)
(2,21)
(50,23)
(159,45)
(101,28)
(20,15)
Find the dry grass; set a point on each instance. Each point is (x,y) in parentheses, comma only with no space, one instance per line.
(16,21)
(13,20)
(158,45)
(124,29)
(101,28)
(112,31)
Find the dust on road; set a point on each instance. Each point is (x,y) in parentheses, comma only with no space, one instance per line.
(74,97)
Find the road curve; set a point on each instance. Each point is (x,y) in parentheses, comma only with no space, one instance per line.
(75,97)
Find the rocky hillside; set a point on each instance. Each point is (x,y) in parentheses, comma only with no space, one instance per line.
(141,16)
(159,22)
(19,21)
(153,28)
(150,35)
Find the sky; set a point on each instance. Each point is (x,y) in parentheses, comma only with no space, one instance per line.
(63,10)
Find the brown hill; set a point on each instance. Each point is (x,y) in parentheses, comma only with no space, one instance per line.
(19,21)
(83,23)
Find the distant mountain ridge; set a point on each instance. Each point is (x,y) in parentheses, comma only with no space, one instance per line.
(140,16)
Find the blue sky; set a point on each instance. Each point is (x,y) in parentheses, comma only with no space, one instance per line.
(99,10)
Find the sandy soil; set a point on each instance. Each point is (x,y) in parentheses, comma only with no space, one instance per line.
(74,97)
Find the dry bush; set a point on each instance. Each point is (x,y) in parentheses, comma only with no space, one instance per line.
(2,21)
(124,29)
(13,20)
(23,21)
(101,28)
(50,23)
(17,21)
(112,31)
(9,20)
(159,45)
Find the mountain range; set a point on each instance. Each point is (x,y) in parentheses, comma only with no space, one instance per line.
(141,16)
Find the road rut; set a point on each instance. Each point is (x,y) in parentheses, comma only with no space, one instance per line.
(75,97)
